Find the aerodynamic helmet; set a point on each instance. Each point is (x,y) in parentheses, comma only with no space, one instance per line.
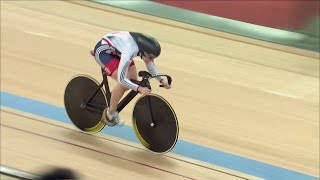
(146,44)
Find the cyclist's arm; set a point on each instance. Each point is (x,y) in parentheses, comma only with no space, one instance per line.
(123,67)
(152,68)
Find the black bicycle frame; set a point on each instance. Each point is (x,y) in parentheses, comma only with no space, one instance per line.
(143,83)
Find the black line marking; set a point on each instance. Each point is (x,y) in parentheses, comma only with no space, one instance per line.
(100,152)
(114,141)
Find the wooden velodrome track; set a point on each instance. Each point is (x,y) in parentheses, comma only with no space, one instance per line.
(234,94)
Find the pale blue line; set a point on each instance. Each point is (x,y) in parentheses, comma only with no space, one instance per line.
(184,148)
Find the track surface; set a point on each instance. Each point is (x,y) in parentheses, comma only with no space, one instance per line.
(228,95)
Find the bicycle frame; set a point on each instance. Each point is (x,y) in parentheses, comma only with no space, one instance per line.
(123,103)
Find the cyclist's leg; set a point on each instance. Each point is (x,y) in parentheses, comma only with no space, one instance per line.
(118,91)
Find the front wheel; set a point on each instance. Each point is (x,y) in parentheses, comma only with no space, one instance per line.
(155,123)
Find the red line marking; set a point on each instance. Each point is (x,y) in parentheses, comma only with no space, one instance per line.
(97,151)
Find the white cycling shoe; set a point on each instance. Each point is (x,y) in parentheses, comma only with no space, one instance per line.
(111,119)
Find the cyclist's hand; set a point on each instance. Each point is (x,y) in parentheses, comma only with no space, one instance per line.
(165,84)
(144,90)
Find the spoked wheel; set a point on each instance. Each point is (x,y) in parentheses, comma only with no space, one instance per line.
(155,123)
(87,117)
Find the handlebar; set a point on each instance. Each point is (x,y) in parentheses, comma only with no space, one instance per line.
(146,76)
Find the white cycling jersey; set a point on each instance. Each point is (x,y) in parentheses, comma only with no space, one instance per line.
(127,49)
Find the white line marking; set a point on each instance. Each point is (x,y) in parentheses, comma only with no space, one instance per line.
(281,94)
(37,34)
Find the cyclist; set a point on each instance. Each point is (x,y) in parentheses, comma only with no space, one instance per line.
(114,52)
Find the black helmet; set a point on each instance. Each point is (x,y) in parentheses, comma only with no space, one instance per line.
(146,44)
